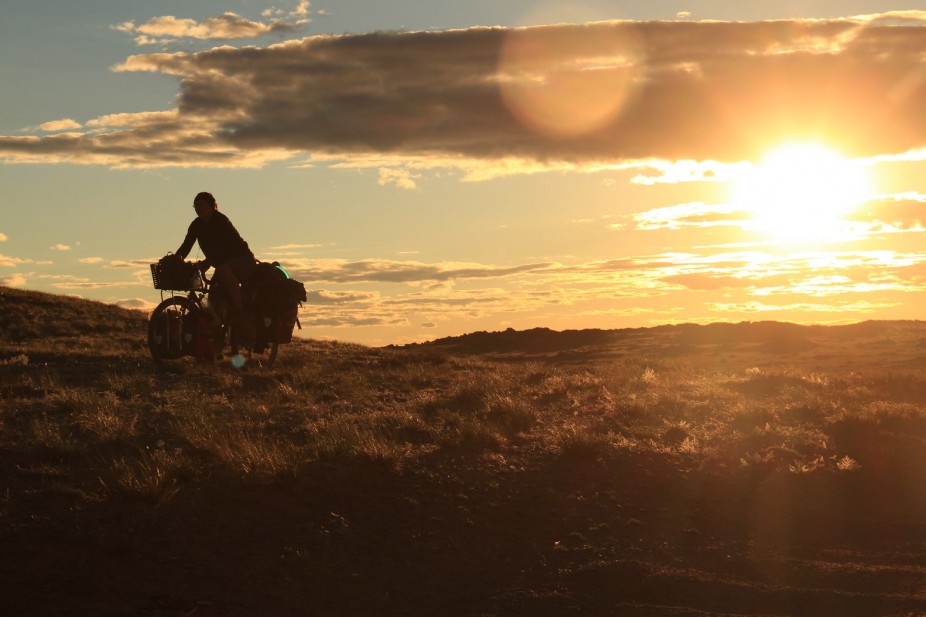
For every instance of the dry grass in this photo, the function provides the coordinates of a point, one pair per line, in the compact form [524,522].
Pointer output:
[89,427]
[327,402]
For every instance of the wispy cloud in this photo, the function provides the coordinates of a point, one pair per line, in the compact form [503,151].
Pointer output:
[224,27]
[60,247]
[293,247]
[829,284]
[13,280]
[491,101]
[119,264]
[78,283]
[140,304]
[695,214]
[7,261]
[3,237]
[386,271]
[55,126]
[850,309]
[401,178]
[324,297]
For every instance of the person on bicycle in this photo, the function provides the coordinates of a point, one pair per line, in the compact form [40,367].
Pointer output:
[223,248]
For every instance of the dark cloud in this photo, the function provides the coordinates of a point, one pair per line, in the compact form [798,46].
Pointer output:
[606,92]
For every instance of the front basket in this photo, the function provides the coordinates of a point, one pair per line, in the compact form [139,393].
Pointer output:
[175,276]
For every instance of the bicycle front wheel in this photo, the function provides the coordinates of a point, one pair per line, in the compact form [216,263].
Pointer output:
[165,328]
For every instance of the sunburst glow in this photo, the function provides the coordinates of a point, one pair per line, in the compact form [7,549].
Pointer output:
[801,192]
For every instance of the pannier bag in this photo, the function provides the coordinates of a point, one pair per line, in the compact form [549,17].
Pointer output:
[173,274]
[277,297]
[283,324]
[271,288]
[197,340]
[278,328]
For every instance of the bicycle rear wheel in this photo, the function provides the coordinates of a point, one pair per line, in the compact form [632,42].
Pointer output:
[165,328]
[252,345]
[249,354]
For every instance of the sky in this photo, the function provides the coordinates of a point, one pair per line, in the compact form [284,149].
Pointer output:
[429,169]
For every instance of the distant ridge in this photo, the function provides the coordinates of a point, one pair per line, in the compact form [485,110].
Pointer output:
[28,315]
[770,337]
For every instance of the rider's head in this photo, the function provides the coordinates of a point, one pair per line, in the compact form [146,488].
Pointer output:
[205,205]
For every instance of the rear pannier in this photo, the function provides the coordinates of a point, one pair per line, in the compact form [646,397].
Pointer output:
[277,297]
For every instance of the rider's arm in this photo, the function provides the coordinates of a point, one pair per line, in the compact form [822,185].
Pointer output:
[187,245]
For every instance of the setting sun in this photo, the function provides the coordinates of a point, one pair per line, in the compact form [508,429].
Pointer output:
[800,192]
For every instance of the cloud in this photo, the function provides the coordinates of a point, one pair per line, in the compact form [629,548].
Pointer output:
[289,247]
[499,100]
[853,309]
[324,297]
[54,126]
[401,178]
[132,264]
[302,9]
[700,281]
[11,262]
[902,213]
[135,303]
[91,260]
[695,214]
[77,283]
[228,26]
[351,321]
[672,172]
[3,237]
[60,247]
[893,17]
[13,280]
[386,271]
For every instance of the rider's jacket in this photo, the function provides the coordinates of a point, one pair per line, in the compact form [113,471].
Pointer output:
[218,239]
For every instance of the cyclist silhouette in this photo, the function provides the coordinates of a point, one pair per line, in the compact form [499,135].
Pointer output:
[223,248]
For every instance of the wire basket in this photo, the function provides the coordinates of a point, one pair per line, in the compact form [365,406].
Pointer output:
[176,275]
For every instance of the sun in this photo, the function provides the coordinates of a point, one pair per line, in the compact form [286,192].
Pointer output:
[799,193]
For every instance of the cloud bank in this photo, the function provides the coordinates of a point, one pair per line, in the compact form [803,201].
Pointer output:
[563,96]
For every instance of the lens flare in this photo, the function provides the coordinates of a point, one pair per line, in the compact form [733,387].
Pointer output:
[568,82]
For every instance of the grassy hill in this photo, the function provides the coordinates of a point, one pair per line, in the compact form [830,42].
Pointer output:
[31,315]
[894,344]
[760,469]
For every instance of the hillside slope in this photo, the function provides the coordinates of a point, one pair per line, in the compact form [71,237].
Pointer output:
[27,315]
[687,471]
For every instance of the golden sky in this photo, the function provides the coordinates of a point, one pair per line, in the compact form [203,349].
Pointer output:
[424,182]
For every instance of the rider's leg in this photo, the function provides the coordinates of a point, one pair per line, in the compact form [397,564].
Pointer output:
[229,283]
[218,302]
